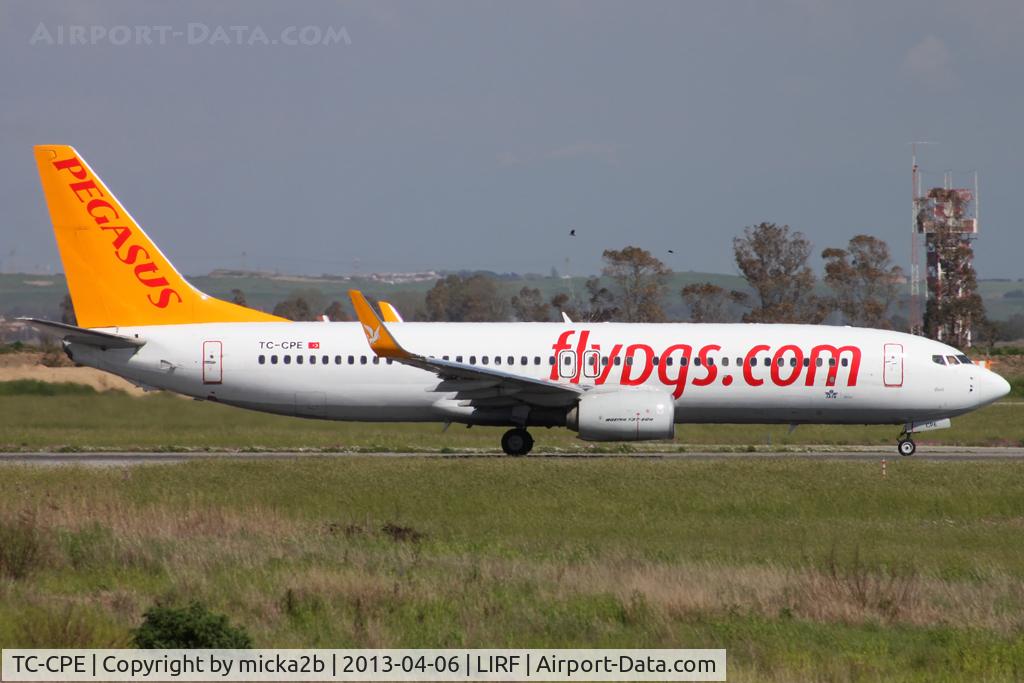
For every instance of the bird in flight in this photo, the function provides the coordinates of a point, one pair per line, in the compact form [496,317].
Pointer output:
[572,233]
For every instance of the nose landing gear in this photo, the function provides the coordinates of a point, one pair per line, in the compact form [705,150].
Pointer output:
[906,446]
[516,442]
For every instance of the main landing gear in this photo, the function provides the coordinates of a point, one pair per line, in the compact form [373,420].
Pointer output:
[516,442]
[906,446]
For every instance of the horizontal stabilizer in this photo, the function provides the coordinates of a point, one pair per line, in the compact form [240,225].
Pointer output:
[82,335]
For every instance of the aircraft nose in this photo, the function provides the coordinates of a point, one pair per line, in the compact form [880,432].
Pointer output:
[993,387]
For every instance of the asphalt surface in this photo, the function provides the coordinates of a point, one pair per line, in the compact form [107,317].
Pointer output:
[934,453]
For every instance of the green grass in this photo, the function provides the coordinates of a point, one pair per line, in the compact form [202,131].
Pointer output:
[802,569]
[76,418]
[33,387]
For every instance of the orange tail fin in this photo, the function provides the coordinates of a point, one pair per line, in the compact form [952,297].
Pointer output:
[116,275]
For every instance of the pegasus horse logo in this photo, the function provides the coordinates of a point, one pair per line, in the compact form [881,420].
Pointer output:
[372,333]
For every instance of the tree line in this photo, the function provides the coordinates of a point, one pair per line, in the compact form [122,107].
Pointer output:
[859,286]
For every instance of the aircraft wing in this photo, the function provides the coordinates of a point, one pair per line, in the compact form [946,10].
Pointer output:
[83,335]
[474,385]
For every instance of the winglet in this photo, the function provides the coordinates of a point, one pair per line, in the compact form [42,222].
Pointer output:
[377,334]
[389,312]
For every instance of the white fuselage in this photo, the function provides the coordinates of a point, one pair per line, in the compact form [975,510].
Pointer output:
[732,373]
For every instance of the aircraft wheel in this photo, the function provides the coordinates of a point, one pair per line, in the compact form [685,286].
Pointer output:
[906,447]
[516,442]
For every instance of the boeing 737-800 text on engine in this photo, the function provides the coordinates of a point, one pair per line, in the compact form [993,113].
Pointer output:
[140,319]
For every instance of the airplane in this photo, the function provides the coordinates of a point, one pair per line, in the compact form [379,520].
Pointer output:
[139,318]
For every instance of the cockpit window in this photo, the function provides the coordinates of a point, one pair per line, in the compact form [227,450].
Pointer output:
[966,360]
[939,359]
[952,360]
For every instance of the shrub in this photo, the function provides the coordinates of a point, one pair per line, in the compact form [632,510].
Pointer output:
[21,546]
[190,627]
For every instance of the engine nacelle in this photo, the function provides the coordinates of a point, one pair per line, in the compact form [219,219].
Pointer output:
[636,415]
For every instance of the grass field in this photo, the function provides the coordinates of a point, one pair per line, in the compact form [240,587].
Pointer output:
[802,569]
[40,416]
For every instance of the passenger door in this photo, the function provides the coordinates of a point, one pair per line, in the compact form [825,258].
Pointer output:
[213,356]
[892,373]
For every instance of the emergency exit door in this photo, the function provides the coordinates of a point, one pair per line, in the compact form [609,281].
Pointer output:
[892,374]
[213,355]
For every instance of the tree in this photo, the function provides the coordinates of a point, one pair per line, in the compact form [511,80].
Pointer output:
[294,308]
[67,311]
[337,312]
[238,297]
[709,303]
[472,298]
[863,280]
[641,280]
[956,308]
[774,263]
[598,305]
[529,306]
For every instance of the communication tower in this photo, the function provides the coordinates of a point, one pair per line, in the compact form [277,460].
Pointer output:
[946,223]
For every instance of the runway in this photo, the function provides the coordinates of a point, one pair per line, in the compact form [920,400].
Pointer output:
[121,459]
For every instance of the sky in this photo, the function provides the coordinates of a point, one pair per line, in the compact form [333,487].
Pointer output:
[351,137]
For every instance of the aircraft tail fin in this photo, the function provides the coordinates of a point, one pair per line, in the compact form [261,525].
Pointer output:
[116,274]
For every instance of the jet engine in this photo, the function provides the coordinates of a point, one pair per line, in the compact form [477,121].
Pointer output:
[631,415]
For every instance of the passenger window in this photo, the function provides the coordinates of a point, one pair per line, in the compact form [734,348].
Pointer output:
[337,360]
[312,360]
[376,360]
[604,360]
[767,361]
[739,361]
[298,360]
[780,362]
[325,360]
[753,362]
[287,360]
[362,360]
[792,362]
[472,360]
[725,361]
[668,361]
[567,359]
[458,359]
[262,359]
[497,360]
[696,361]
[845,361]
[655,360]
[629,360]
[444,357]
[523,360]
[711,361]
[273,360]
[831,362]
[351,360]
[551,360]
[536,360]
[511,360]
[807,362]
[683,361]
[389,361]
[939,360]
[618,360]
[817,362]
[485,360]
